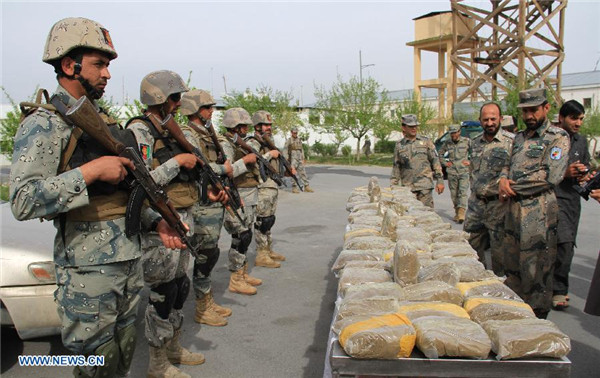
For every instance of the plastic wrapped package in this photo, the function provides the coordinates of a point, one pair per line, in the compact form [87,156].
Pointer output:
[358,214]
[361,232]
[365,306]
[470,269]
[407,220]
[526,338]
[499,311]
[381,337]
[443,245]
[489,288]
[406,264]
[353,255]
[404,223]
[366,206]
[428,218]
[385,204]
[387,265]
[375,195]
[414,310]
[369,242]
[473,302]
[436,226]
[359,226]
[369,221]
[358,276]
[460,250]
[431,291]
[413,234]
[433,270]
[449,236]
[380,289]
[444,336]
[388,226]
[423,257]
[373,184]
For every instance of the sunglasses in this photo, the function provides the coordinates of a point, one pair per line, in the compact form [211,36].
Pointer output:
[175,97]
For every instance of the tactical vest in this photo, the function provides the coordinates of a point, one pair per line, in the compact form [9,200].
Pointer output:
[248,179]
[207,146]
[182,190]
[296,144]
[273,162]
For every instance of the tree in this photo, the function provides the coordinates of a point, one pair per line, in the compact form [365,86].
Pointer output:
[265,98]
[10,124]
[351,108]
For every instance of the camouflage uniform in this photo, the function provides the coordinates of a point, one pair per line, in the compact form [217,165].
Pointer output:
[485,213]
[537,165]
[293,149]
[416,164]
[458,174]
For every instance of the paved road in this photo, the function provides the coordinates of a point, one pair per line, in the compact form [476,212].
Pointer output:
[282,331]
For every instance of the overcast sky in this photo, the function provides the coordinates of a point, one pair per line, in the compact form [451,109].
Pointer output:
[289,46]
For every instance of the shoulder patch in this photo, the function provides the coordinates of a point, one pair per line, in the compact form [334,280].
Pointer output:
[556,153]
[145,151]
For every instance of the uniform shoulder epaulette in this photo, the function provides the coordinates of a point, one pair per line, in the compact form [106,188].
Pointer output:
[557,130]
[507,134]
[422,137]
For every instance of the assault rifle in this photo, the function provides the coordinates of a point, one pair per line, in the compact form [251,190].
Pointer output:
[84,115]
[267,142]
[205,170]
[265,169]
[585,189]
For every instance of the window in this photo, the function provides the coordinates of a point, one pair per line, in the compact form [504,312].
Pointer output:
[587,102]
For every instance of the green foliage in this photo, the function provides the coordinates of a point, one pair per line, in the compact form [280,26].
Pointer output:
[324,149]
[351,108]
[4,190]
[422,110]
[382,160]
[265,98]
[9,125]
[591,122]
[346,150]
[385,146]
[511,100]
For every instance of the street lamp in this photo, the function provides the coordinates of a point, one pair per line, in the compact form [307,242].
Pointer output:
[362,65]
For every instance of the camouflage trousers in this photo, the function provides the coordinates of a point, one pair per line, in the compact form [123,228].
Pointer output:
[530,244]
[425,196]
[300,171]
[96,301]
[459,187]
[485,223]
[241,236]
[208,220]
[267,206]
[165,271]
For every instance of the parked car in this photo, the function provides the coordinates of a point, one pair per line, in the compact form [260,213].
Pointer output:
[27,279]
[468,129]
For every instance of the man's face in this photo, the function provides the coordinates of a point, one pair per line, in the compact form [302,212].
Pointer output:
[173,103]
[490,120]
[294,134]
[455,136]
[206,112]
[242,130]
[267,129]
[94,70]
[571,123]
[409,132]
[534,116]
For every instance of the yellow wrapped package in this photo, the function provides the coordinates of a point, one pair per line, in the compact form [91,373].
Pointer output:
[349,308]
[488,288]
[381,337]
[416,310]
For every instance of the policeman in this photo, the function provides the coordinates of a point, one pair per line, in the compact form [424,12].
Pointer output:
[537,165]
[246,178]
[293,149]
[60,172]
[416,162]
[198,106]
[490,152]
[570,117]
[454,155]
[268,192]
[508,124]
[165,270]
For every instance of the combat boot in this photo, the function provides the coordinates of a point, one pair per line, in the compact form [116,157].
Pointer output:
[460,215]
[308,189]
[249,279]
[263,259]
[179,355]
[295,190]
[272,254]
[206,313]
[221,310]
[237,284]
[160,367]
[455,219]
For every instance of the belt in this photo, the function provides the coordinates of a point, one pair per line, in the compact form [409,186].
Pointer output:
[488,199]
[521,197]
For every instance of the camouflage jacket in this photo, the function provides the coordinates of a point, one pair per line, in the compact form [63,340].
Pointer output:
[455,153]
[205,143]
[293,149]
[538,162]
[266,153]
[416,164]
[37,190]
[487,161]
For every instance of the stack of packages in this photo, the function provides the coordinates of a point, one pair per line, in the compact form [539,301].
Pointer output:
[407,279]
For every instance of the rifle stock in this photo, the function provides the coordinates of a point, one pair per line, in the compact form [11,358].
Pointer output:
[586,188]
[263,163]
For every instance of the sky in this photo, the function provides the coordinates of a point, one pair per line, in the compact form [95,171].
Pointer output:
[288,46]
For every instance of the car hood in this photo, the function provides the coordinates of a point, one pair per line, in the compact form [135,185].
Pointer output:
[22,244]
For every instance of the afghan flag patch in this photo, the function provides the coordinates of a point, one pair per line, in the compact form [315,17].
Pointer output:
[145,151]
[555,153]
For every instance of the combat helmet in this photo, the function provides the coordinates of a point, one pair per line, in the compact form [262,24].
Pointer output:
[193,100]
[157,86]
[236,116]
[262,116]
[74,32]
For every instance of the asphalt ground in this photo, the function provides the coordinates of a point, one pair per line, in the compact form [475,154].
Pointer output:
[282,331]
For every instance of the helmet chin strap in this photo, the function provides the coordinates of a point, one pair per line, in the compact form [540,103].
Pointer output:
[89,89]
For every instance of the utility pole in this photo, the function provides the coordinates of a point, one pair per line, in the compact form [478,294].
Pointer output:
[362,65]
[225,84]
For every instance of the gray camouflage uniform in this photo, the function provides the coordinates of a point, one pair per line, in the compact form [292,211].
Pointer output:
[485,213]
[537,165]
[416,164]
[458,174]
[268,192]
[293,149]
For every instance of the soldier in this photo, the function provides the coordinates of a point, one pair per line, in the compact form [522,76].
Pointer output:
[293,149]
[165,270]
[537,164]
[59,172]
[416,162]
[490,152]
[246,178]
[571,116]
[367,147]
[198,106]
[508,124]
[267,198]
[454,154]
